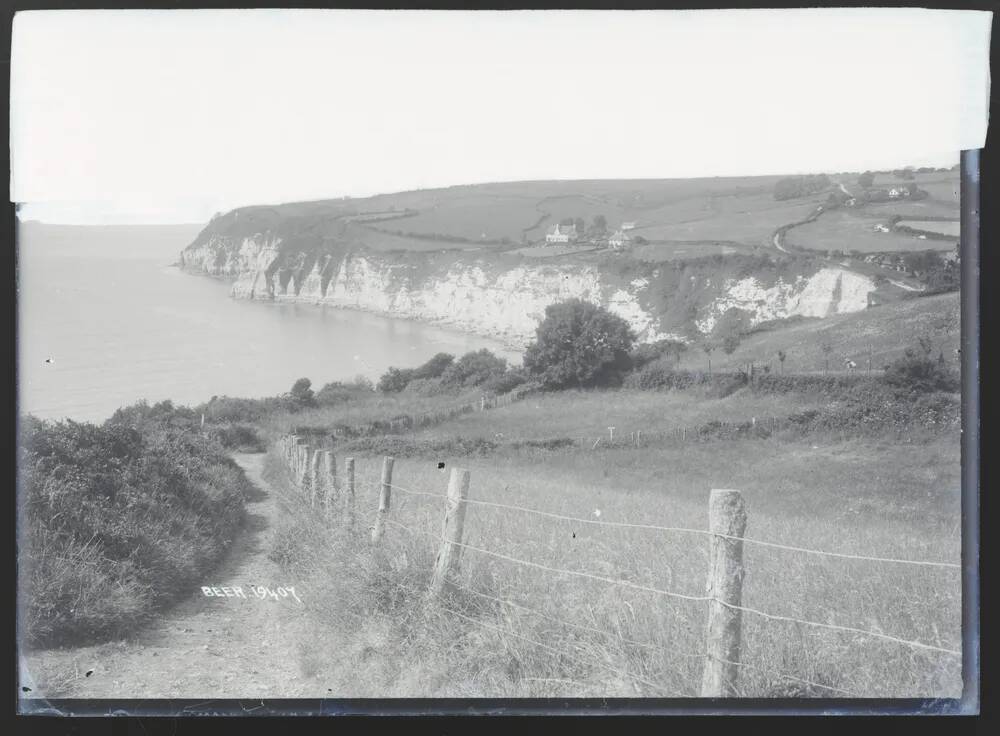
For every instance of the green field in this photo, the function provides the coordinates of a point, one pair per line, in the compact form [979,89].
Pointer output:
[886,330]
[546,606]
[852,229]
[496,634]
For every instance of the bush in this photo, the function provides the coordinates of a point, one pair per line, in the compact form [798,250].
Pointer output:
[434,367]
[302,393]
[916,372]
[338,392]
[506,382]
[119,520]
[239,437]
[645,354]
[394,380]
[474,369]
[579,344]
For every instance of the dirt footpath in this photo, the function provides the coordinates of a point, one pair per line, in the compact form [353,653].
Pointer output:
[239,645]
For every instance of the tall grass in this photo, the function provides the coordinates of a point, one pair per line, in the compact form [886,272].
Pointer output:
[118,520]
[565,635]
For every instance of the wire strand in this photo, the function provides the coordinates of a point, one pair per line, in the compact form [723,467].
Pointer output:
[688,530]
[627,584]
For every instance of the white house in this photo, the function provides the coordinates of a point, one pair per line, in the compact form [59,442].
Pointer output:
[619,240]
[561,234]
[628,226]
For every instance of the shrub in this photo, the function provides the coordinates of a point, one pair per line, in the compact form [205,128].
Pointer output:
[434,367]
[394,380]
[474,369]
[644,354]
[338,392]
[239,437]
[119,519]
[506,382]
[915,371]
[302,393]
[579,344]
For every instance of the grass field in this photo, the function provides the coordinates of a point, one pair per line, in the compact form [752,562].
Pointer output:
[510,629]
[852,229]
[888,329]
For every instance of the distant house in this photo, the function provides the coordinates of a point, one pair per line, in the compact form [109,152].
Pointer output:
[628,226]
[898,192]
[619,240]
[850,202]
[561,234]
[880,228]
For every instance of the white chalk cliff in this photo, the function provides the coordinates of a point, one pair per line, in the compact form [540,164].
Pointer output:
[504,302]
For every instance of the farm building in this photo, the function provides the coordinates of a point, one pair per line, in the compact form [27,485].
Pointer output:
[561,234]
[619,240]
[628,226]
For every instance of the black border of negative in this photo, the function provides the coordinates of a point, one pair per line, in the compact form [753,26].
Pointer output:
[977,188]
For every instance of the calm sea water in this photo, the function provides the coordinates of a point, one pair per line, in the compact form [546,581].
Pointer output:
[105,320]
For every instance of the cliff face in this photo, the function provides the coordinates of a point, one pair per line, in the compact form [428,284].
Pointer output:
[508,301]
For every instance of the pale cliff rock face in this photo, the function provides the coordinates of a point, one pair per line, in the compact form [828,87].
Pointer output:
[507,304]
[829,291]
[219,256]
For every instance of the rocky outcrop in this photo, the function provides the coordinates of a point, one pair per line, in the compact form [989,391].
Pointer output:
[507,302]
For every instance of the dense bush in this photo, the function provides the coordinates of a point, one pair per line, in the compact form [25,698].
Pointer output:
[239,437]
[474,369]
[120,519]
[434,367]
[800,186]
[648,352]
[339,392]
[302,393]
[506,382]
[915,371]
[579,344]
[394,380]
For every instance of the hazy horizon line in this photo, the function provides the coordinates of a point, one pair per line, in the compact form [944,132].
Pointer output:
[59,212]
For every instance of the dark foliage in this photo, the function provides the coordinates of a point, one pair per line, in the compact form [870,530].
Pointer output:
[119,519]
[579,344]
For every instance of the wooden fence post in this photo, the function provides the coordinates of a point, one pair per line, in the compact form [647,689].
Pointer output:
[329,482]
[314,468]
[349,491]
[727,518]
[385,496]
[454,520]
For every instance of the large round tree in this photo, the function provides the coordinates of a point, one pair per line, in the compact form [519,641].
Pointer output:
[579,344]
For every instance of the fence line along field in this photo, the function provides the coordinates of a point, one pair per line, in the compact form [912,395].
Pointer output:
[595,590]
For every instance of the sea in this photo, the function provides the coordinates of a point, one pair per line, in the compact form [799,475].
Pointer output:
[105,319]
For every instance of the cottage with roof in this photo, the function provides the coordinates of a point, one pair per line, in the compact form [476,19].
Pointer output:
[619,240]
[561,234]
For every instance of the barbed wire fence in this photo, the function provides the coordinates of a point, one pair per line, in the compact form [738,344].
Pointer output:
[313,471]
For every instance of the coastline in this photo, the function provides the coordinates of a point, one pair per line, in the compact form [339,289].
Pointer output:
[505,342]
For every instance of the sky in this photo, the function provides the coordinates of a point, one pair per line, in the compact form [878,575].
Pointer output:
[172,115]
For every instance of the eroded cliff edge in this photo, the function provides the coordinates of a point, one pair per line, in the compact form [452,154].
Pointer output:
[504,296]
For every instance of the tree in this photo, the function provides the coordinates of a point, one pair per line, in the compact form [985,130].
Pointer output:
[708,346]
[600,224]
[474,368]
[827,348]
[302,392]
[434,367]
[394,380]
[580,225]
[866,180]
[730,328]
[781,359]
[579,344]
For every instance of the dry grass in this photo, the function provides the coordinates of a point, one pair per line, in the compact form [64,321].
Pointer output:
[569,636]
